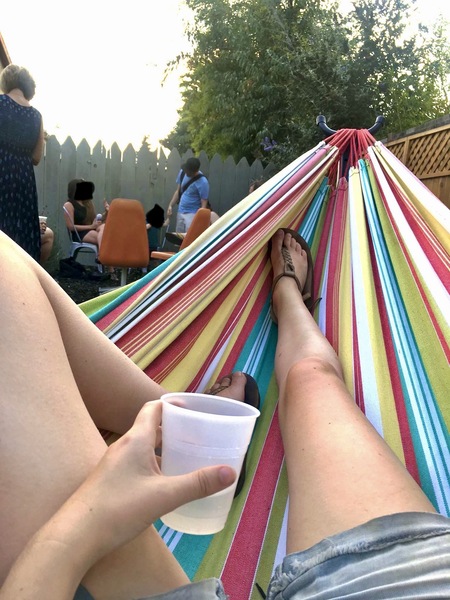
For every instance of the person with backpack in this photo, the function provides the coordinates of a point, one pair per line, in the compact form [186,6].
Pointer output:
[191,194]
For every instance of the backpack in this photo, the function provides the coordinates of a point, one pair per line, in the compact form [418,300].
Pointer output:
[185,187]
[69,267]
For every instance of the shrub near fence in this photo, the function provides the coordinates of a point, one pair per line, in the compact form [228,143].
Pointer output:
[148,176]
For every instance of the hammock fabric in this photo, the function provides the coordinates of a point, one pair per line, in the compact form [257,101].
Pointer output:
[381,244]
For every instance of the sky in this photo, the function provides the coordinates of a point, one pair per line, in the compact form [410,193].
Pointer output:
[99,64]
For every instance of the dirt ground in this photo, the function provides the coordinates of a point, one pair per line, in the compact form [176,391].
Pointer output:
[81,290]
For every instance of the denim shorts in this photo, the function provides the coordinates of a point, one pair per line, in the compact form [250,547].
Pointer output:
[203,590]
[400,556]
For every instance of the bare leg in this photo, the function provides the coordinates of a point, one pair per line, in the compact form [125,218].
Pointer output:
[47,239]
[53,356]
[91,237]
[341,473]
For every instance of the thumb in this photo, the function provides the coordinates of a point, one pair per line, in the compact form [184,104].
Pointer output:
[202,483]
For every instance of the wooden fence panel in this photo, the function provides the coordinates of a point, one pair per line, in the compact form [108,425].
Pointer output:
[66,172]
[68,163]
[98,161]
[115,172]
[215,178]
[227,187]
[128,174]
[256,171]
[173,165]
[159,184]
[243,178]
[143,176]
[427,155]
[53,184]
[84,164]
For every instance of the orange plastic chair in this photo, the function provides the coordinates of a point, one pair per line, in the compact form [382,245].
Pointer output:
[200,223]
[125,242]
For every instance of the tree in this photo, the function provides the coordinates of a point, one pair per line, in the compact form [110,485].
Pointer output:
[264,69]
[394,64]
[437,65]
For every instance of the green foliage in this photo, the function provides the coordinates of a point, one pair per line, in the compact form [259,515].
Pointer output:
[394,64]
[267,68]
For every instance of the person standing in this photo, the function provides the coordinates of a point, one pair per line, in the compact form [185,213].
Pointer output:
[21,147]
[191,194]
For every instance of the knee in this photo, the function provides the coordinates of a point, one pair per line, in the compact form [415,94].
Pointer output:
[311,370]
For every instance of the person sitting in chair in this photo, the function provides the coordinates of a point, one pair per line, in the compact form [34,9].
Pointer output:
[82,219]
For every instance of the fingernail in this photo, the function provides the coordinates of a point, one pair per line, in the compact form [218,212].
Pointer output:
[227,475]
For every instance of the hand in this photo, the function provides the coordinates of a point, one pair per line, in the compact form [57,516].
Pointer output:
[126,492]
[169,211]
[43,228]
[106,205]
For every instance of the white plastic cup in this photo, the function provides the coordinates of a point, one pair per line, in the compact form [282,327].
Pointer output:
[42,219]
[200,430]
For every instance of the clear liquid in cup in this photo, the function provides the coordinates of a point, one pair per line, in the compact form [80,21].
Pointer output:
[207,515]
[202,517]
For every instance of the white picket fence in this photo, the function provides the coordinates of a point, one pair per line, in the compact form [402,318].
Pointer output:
[148,176]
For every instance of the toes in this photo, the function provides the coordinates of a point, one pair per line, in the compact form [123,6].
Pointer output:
[277,241]
[230,386]
[237,387]
[287,239]
[293,243]
[239,378]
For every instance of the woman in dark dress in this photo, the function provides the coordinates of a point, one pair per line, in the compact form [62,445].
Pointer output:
[21,146]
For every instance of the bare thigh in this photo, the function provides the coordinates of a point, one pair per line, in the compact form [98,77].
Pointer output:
[91,237]
[48,442]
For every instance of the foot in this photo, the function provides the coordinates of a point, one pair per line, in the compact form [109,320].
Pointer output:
[232,387]
[299,260]
[238,386]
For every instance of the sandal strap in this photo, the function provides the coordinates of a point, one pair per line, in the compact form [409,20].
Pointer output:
[221,388]
[288,264]
[287,274]
[289,271]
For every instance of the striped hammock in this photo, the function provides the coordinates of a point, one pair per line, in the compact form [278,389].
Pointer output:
[381,244]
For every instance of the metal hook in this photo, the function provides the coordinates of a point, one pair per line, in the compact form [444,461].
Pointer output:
[322,123]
